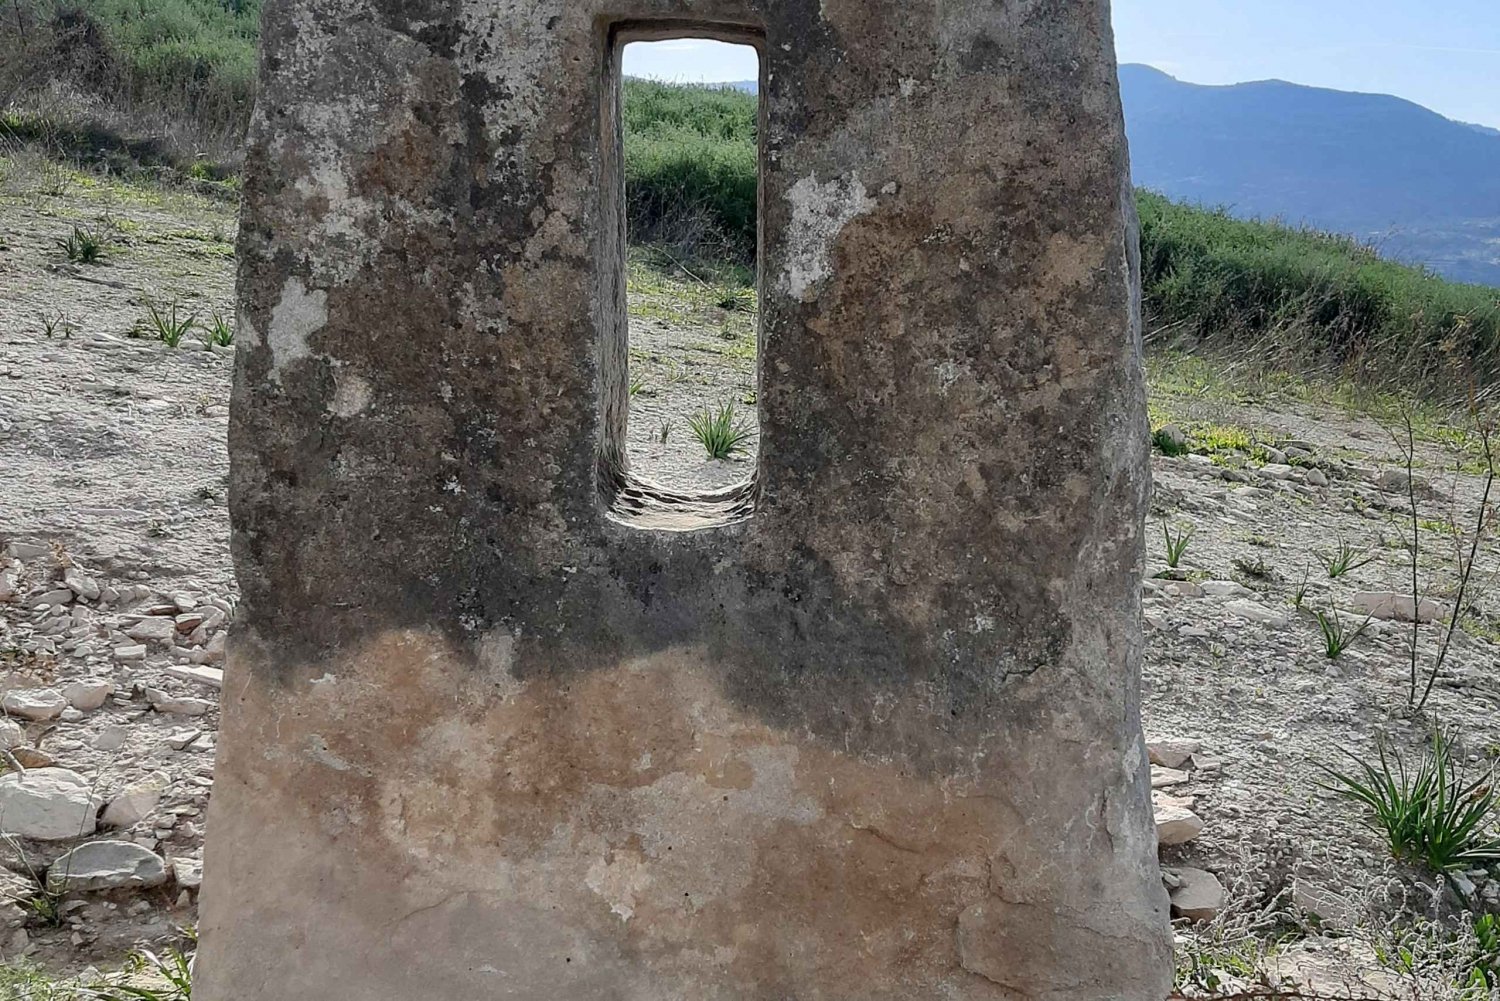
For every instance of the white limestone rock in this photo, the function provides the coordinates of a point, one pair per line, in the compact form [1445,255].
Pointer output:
[136,801]
[88,694]
[33,703]
[48,804]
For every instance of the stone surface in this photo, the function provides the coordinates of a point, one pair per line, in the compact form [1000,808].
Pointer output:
[1176,825]
[1391,605]
[1199,896]
[863,729]
[33,703]
[1170,753]
[48,804]
[89,694]
[135,802]
[106,865]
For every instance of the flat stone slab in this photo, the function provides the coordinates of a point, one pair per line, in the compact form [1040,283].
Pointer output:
[106,865]
[1198,896]
[48,804]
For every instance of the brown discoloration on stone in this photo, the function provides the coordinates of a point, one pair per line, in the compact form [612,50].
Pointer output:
[638,836]
[879,738]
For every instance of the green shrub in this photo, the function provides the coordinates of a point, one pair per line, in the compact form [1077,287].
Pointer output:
[690,167]
[1299,295]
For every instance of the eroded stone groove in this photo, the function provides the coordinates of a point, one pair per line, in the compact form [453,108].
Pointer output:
[518,729]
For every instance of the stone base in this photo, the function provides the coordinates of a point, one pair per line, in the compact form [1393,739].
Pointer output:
[629,834]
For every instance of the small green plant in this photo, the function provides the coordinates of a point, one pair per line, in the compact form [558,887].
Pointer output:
[83,246]
[57,323]
[1338,635]
[1170,441]
[46,909]
[1432,813]
[664,431]
[217,332]
[735,300]
[1255,569]
[1343,559]
[167,324]
[172,968]
[720,434]
[1176,542]
[637,386]
[1299,593]
[1485,972]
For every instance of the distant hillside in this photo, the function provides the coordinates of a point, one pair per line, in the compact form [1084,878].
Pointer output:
[1423,187]
[1420,186]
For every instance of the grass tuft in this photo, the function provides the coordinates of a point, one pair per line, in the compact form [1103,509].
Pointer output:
[167,324]
[84,246]
[720,433]
[1338,635]
[1343,559]
[1432,813]
[1176,542]
[217,332]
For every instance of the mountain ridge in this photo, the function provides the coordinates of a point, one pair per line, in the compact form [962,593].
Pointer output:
[1422,187]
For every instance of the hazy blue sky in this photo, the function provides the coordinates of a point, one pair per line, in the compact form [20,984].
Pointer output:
[1444,54]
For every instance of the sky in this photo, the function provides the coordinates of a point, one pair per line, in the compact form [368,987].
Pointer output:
[1443,54]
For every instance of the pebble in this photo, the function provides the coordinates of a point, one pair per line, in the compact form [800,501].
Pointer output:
[1256,612]
[1176,825]
[189,872]
[1171,753]
[153,629]
[1162,778]
[181,740]
[81,583]
[164,703]
[213,677]
[1390,605]
[53,599]
[25,550]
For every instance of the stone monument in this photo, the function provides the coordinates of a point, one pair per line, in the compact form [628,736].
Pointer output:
[503,720]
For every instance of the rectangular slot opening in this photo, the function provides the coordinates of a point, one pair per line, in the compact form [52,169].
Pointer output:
[680,363]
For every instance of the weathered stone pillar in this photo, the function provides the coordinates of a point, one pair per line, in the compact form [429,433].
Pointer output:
[497,723]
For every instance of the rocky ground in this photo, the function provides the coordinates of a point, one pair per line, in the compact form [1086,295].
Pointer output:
[116,597]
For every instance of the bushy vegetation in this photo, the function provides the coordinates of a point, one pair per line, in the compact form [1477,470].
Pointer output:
[1298,296]
[178,72]
[690,167]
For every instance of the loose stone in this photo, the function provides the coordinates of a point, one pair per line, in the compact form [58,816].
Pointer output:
[106,865]
[49,804]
